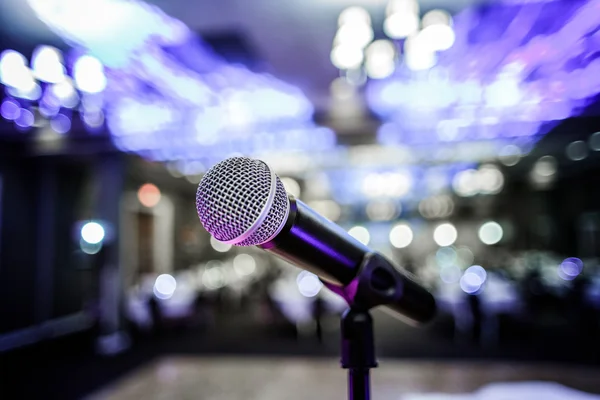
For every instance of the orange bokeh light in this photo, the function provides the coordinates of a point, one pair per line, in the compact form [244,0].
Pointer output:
[149,195]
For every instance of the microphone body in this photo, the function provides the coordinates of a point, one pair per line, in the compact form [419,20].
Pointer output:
[322,247]
[242,202]
[318,245]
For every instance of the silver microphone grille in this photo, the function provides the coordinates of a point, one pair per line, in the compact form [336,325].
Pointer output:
[242,202]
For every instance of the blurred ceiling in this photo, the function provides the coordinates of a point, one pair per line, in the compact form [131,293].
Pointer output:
[293,37]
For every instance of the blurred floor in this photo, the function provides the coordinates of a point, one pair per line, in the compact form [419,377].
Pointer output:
[299,379]
[68,368]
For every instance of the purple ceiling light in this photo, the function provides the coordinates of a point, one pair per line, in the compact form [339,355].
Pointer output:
[513,67]
[168,97]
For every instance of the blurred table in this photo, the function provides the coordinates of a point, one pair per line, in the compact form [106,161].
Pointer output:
[299,379]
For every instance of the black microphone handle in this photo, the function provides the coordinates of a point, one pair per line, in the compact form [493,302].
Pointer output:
[316,244]
[320,246]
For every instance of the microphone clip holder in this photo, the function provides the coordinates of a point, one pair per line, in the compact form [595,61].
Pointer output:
[377,283]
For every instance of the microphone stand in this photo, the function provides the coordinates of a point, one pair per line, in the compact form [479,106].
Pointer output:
[377,283]
[358,351]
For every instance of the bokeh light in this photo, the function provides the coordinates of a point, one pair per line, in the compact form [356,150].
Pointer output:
[357,35]
[244,264]
[92,232]
[60,123]
[446,256]
[577,150]
[450,274]
[418,55]
[490,233]
[344,56]
[308,283]
[14,71]
[354,15]
[594,141]
[291,186]
[25,118]
[445,234]
[164,286]
[544,171]
[361,234]
[149,195]
[65,93]
[380,59]
[219,246]
[88,73]
[401,25]
[510,155]
[47,64]
[10,109]
[545,166]
[381,210]
[473,279]
[401,236]
[570,268]
[90,248]
[437,33]
[213,276]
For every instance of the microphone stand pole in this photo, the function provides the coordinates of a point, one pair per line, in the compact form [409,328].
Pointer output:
[377,283]
[358,351]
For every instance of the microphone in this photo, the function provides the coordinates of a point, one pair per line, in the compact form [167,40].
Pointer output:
[241,201]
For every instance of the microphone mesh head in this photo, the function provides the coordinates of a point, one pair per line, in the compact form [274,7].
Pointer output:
[232,202]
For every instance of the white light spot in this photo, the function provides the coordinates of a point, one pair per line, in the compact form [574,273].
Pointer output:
[92,232]
[445,234]
[465,183]
[380,59]
[392,184]
[346,56]
[244,264]
[47,64]
[490,179]
[510,155]
[308,283]
[219,246]
[417,55]
[361,234]
[490,233]
[89,75]
[165,286]
[401,236]
[354,15]
[291,186]
[65,93]
[356,35]
[437,37]
[14,71]
[401,25]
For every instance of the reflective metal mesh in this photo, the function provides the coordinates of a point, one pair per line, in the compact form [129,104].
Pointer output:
[231,197]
